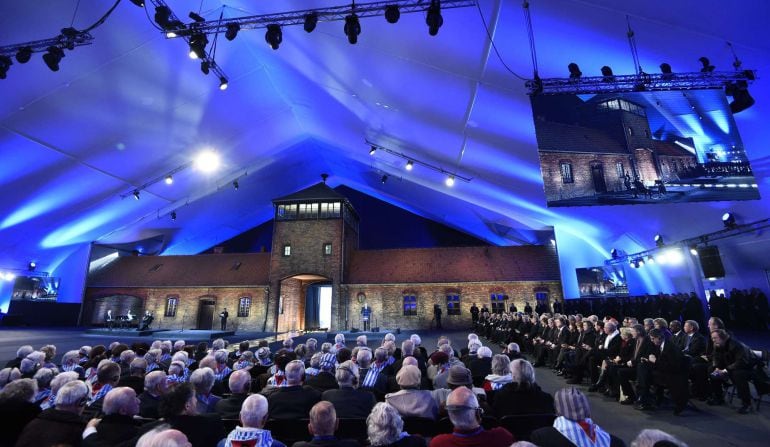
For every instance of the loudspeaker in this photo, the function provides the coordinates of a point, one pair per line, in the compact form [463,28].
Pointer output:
[710,262]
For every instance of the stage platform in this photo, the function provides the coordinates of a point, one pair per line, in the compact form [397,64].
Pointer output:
[118,332]
[195,334]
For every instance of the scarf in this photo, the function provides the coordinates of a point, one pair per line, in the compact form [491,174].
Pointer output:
[150,368]
[48,403]
[278,379]
[371,376]
[583,433]
[312,371]
[495,382]
[249,437]
[42,396]
[221,373]
[98,391]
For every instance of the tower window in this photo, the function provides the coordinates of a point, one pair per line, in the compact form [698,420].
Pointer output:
[327,249]
[410,305]
[244,306]
[287,250]
[171,304]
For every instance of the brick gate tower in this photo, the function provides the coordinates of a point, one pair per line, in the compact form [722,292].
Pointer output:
[315,230]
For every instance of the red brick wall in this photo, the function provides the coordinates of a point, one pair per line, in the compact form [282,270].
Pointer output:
[583,184]
[645,164]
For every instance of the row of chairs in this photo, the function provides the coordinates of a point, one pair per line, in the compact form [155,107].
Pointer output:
[290,431]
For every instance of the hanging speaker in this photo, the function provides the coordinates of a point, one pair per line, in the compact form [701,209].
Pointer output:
[711,262]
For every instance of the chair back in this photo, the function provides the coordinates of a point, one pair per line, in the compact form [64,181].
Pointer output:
[230,424]
[521,426]
[352,428]
[289,431]
[420,426]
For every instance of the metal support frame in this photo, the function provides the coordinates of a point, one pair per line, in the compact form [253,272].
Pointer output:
[65,40]
[637,83]
[446,172]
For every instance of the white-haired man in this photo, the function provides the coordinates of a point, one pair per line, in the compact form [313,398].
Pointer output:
[323,424]
[253,415]
[202,379]
[61,425]
[155,386]
[350,402]
[465,414]
[118,424]
[240,384]
[293,401]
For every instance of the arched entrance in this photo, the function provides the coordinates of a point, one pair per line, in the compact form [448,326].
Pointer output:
[206,306]
[304,303]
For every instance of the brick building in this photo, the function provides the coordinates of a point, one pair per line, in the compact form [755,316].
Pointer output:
[588,148]
[315,276]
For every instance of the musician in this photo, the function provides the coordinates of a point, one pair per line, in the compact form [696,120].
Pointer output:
[223,319]
[146,321]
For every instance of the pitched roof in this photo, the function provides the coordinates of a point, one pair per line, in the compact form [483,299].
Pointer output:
[559,137]
[454,264]
[184,271]
[319,191]
[669,148]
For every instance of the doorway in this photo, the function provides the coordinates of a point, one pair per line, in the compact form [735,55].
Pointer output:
[318,306]
[206,314]
[597,174]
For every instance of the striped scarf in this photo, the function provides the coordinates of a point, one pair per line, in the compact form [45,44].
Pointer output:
[151,367]
[583,433]
[242,364]
[221,374]
[278,379]
[43,395]
[173,378]
[371,376]
[97,392]
[48,403]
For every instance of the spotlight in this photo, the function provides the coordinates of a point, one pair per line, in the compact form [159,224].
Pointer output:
[232,31]
[639,262]
[707,67]
[384,179]
[614,253]
[409,165]
[5,64]
[31,266]
[198,44]
[8,276]
[729,220]
[607,73]
[742,100]
[173,215]
[659,240]
[650,259]
[196,17]
[236,185]
[392,14]
[274,36]
[53,57]
[205,67]
[169,179]
[665,68]
[574,71]
[450,181]
[694,250]
[223,83]
[373,150]
[23,55]
[434,19]
[136,194]
[207,161]
[311,20]
[173,27]
[352,28]
[139,3]
[163,16]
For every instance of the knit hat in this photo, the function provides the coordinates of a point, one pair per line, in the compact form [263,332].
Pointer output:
[328,362]
[572,404]
[459,376]
[408,377]
[263,353]
[439,358]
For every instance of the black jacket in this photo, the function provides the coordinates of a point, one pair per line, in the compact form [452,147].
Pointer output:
[516,399]
[733,356]
[350,403]
[201,430]
[322,381]
[15,414]
[293,402]
[327,442]
[230,408]
[113,429]
[697,346]
[148,406]
[52,427]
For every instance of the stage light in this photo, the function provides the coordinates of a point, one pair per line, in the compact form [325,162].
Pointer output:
[392,14]
[31,266]
[196,17]
[607,73]
[742,100]
[5,64]
[707,67]
[8,276]
[169,179]
[673,256]
[614,253]
[198,44]
[659,240]
[373,150]
[173,26]
[232,31]
[434,19]
[665,69]
[207,161]
[384,179]
[205,67]
[139,3]
[650,259]
[352,28]
[173,215]
[409,165]
[694,250]
[574,71]
[163,16]
[53,57]
[639,262]
[223,83]
[274,36]
[23,55]
[728,219]
[236,185]
[135,194]
[311,20]
[450,181]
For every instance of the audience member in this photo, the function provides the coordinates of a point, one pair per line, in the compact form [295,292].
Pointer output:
[17,408]
[347,400]
[655,438]
[179,408]
[411,401]
[323,424]
[118,424]
[59,425]
[293,401]
[240,384]
[465,414]
[522,395]
[324,380]
[155,386]
[163,436]
[384,428]
[501,373]
[253,415]
[107,377]
[202,379]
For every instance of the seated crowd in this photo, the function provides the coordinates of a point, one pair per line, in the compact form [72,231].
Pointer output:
[171,394]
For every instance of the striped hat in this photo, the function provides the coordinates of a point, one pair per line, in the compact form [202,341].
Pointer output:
[328,362]
[572,404]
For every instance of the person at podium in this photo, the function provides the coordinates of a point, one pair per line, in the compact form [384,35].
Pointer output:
[223,319]
[366,315]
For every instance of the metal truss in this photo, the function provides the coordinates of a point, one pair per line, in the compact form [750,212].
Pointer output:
[703,239]
[637,83]
[69,39]
[334,13]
